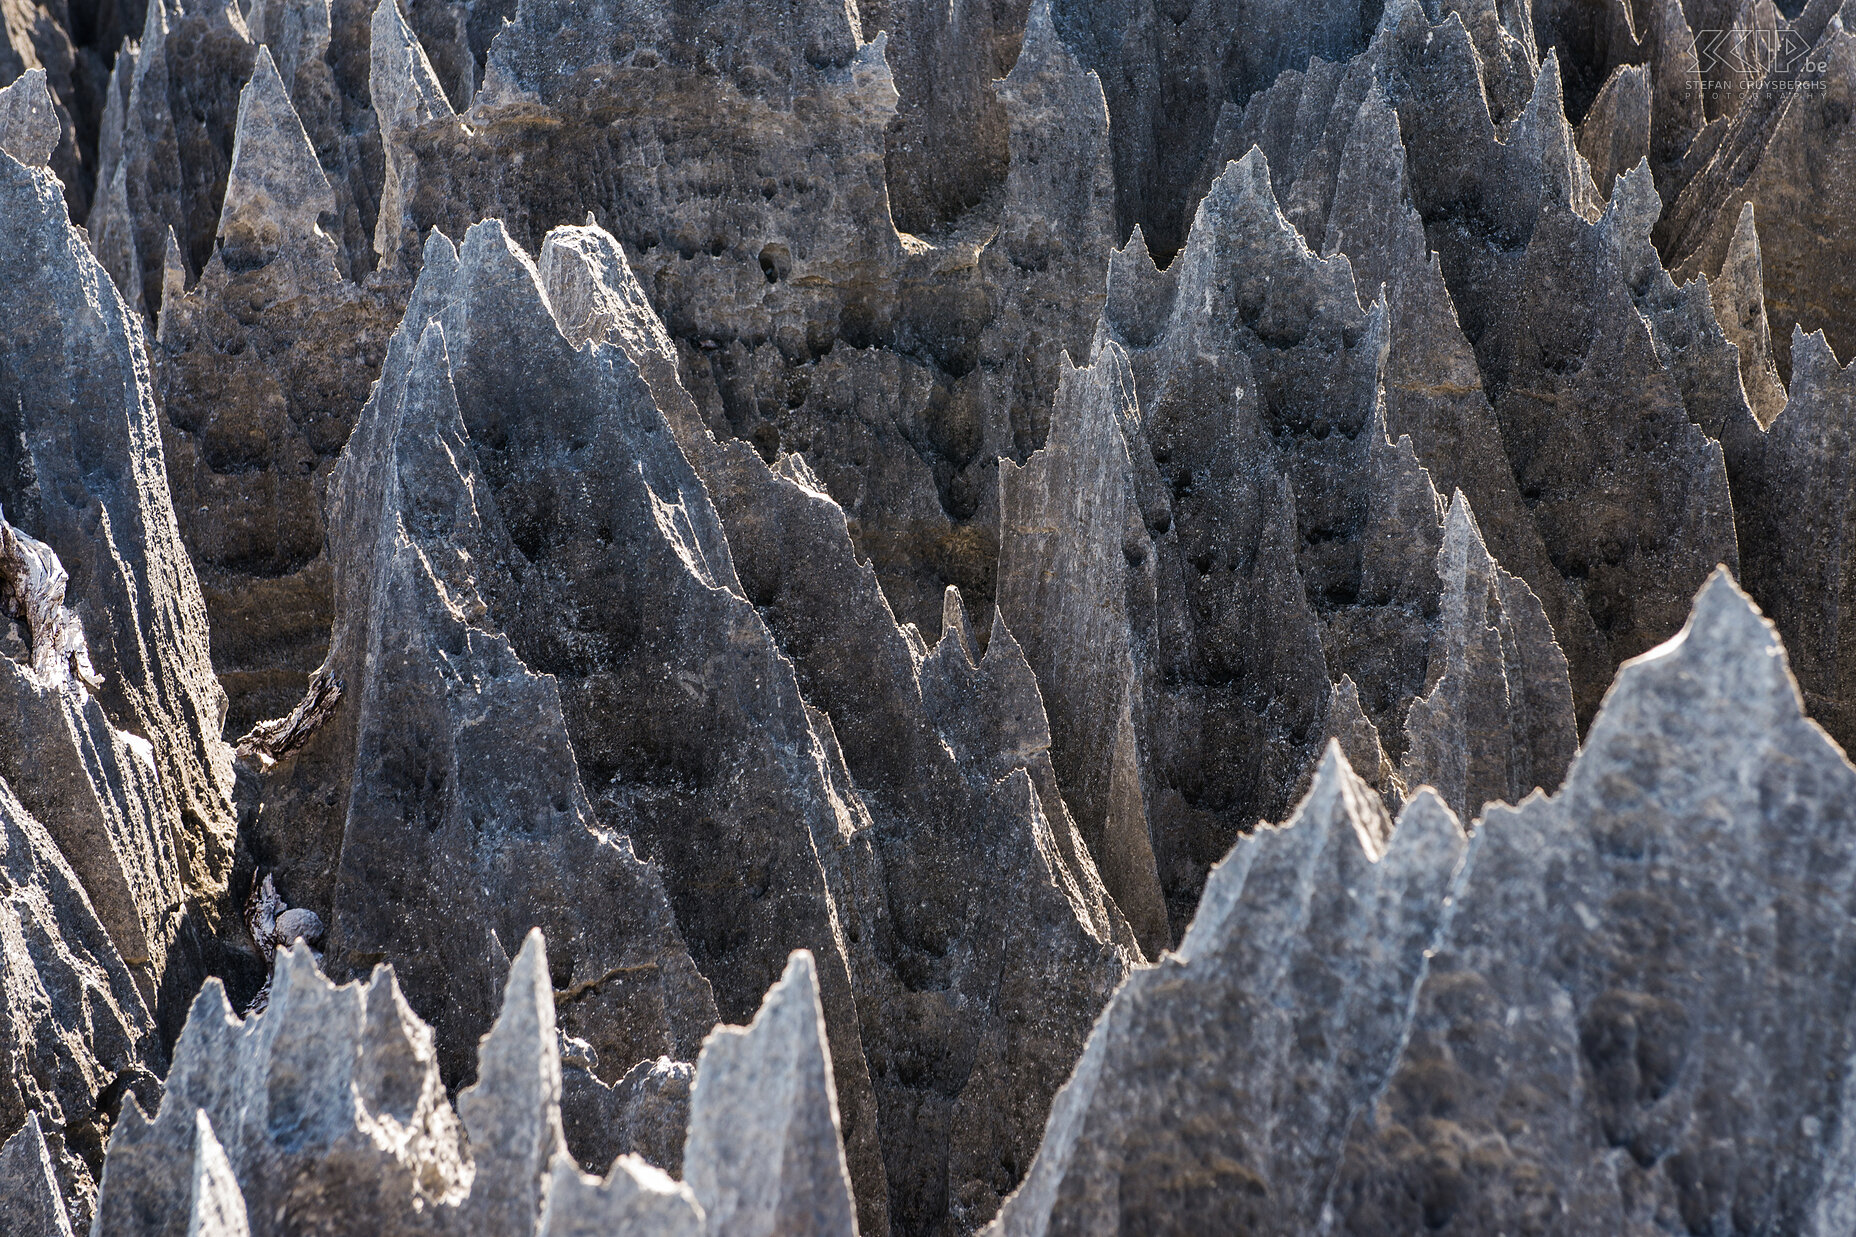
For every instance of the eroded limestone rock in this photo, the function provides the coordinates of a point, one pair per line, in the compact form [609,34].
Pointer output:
[1216,1089]
[1599,1010]
[764,1157]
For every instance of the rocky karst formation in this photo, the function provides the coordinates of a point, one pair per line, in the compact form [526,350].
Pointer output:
[921,485]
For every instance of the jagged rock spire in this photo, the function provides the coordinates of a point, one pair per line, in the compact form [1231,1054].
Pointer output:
[513,1111]
[1498,720]
[216,1208]
[29,128]
[761,1170]
[1784,145]
[1615,134]
[1076,573]
[169,1176]
[138,758]
[1238,1062]
[1793,503]
[29,1192]
[405,94]
[436,557]
[297,32]
[634,1198]
[276,189]
[73,1017]
[1702,795]
[1740,303]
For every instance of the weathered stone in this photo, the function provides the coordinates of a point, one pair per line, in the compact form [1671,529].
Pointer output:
[1792,503]
[644,1114]
[1615,134]
[1076,576]
[29,1193]
[689,728]
[29,129]
[1739,296]
[635,1198]
[1498,721]
[1786,151]
[74,1022]
[931,752]
[169,1178]
[1166,68]
[764,1158]
[434,779]
[264,364]
[1598,1020]
[512,1113]
[1633,506]
[81,471]
[405,96]
[1216,1088]
[275,189]
[1349,726]
[1292,514]
[172,143]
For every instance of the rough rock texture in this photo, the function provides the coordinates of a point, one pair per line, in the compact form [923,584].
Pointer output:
[167,142]
[326,1114]
[29,129]
[1076,577]
[645,1114]
[633,1198]
[29,1194]
[455,738]
[1599,1011]
[1291,539]
[1793,506]
[112,716]
[923,752]
[74,1023]
[915,484]
[1739,295]
[1498,719]
[265,362]
[1216,1088]
[764,1156]
[1786,151]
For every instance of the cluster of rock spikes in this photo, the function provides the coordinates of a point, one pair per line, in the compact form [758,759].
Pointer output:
[778,617]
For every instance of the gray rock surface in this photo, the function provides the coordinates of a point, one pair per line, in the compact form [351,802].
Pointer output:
[1216,1088]
[922,752]
[133,777]
[1784,151]
[29,129]
[1293,539]
[74,1021]
[764,1156]
[1498,719]
[634,1198]
[333,1119]
[441,734]
[1076,575]
[1593,1048]
[1792,506]
[29,1192]
[832,540]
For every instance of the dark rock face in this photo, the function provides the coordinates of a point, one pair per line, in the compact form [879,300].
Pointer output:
[848,520]
[265,362]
